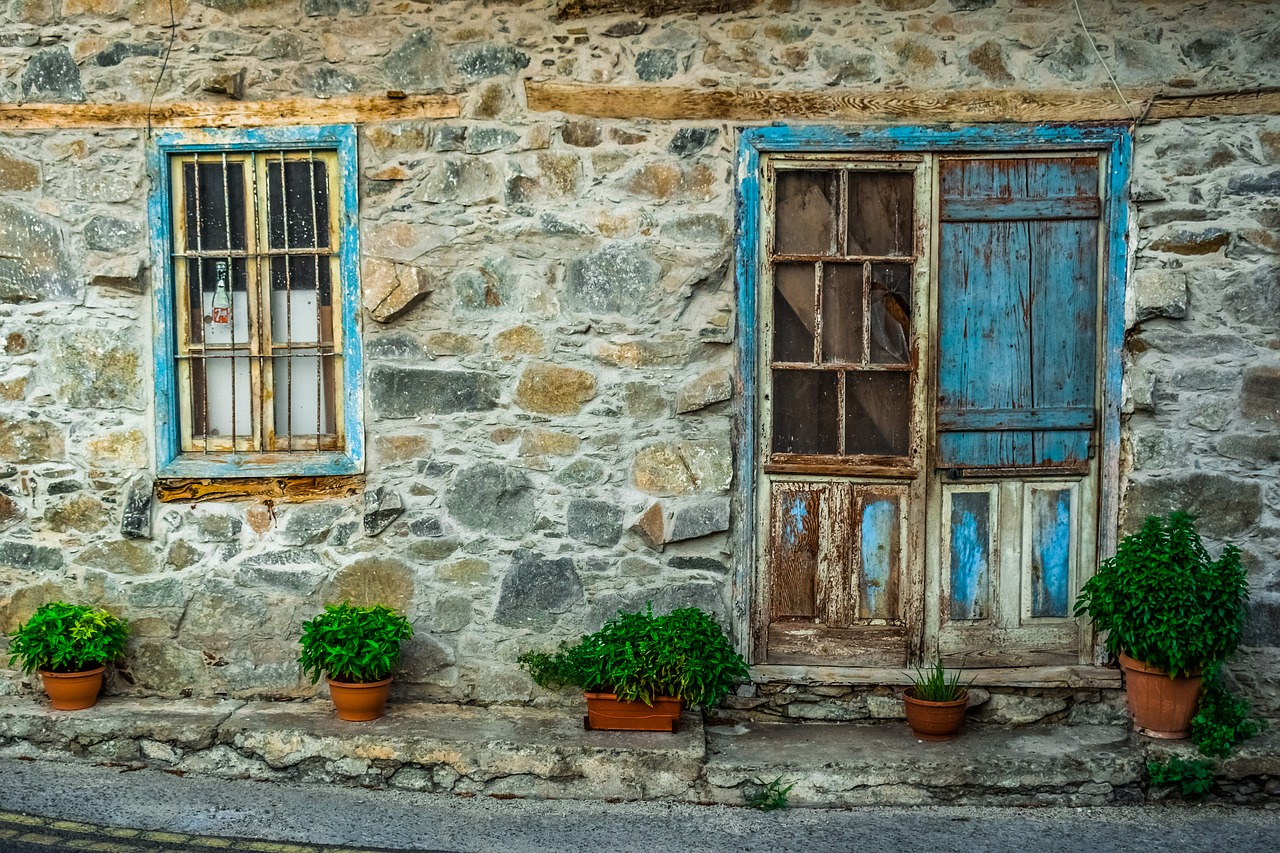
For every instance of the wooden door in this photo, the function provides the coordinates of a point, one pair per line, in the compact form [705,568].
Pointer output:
[1013,502]
[844,284]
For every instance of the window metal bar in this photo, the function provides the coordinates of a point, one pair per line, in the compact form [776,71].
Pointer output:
[231,291]
[315,261]
[288,303]
[199,313]
[264,310]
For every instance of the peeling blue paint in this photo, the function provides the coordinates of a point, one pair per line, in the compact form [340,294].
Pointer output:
[794,526]
[879,533]
[170,462]
[970,555]
[1050,552]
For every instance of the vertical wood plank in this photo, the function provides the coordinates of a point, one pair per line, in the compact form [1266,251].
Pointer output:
[969,537]
[881,556]
[795,536]
[1050,520]
[837,557]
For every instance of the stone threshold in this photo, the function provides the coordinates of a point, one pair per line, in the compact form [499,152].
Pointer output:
[512,751]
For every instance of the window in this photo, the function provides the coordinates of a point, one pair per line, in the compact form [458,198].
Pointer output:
[930,319]
[258,349]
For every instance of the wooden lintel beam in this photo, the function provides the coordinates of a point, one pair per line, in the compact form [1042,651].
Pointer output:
[283,489]
[977,105]
[220,114]
[1264,101]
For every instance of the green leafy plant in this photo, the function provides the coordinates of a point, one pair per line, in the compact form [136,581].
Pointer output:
[638,656]
[1194,777]
[1164,601]
[934,685]
[767,796]
[61,637]
[1222,719]
[353,644]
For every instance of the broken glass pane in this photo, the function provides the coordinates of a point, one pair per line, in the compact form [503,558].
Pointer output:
[889,306]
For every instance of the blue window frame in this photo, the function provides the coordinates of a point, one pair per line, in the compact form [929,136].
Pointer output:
[256,312]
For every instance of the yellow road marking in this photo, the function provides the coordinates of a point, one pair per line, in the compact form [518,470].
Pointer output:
[37,838]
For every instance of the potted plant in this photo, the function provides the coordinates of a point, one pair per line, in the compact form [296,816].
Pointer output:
[639,669]
[357,648]
[70,645]
[1169,611]
[935,703]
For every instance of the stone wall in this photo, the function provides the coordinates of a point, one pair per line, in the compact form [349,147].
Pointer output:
[550,429]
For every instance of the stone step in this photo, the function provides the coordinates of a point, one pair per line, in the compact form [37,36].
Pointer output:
[513,751]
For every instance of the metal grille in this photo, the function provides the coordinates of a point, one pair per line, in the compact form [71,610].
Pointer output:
[256,269]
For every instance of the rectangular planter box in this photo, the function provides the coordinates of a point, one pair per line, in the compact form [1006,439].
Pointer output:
[604,711]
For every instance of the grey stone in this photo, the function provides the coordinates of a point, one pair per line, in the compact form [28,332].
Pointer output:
[331,8]
[1260,396]
[482,140]
[429,526]
[1262,628]
[489,496]
[309,524]
[699,564]
[381,507]
[1262,183]
[397,391]
[120,556]
[52,75]
[477,61]
[282,45]
[1161,293]
[422,655]
[63,487]
[714,386]
[123,273]
[283,558]
[1178,341]
[1224,506]
[30,558]
[297,576]
[135,516]
[1019,710]
[33,260]
[827,711]
[690,140]
[690,521]
[1261,449]
[99,368]
[465,181]
[843,66]
[623,29]
[416,64]
[397,346]
[620,278]
[654,65]
[150,593]
[580,473]
[536,590]
[451,613]
[217,528]
[705,596]
[595,522]
[327,80]
[450,138]
[119,51]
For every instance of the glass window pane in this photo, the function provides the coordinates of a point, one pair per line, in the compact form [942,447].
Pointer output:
[889,304]
[304,398]
[222,396]
[842,313]
[878,413]
[215,206]
[805,411]
[297,304]
[794,310]
[880,205]
[297,204]
[806,213]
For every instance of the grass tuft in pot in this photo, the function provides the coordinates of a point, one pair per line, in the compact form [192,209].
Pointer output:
[70,646]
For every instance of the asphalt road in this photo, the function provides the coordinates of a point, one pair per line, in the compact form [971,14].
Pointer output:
[118,811]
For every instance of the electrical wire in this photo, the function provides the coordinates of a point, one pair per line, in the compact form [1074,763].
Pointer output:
[1098,53]
[164,63]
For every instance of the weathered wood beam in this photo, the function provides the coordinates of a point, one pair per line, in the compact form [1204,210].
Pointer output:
[217,114]
[284,489]
[1264,101]
[1032,676]
[980,105]
[569,9]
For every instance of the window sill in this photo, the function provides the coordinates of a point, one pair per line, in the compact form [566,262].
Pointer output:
[233,465]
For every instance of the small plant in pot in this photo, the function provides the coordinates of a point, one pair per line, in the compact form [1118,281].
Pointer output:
[70,646]
[639,669]
[1169,611]
[357,648]
[936,702]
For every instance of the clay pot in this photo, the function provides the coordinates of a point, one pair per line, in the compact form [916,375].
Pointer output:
[73,691]
[606,711]
[357,702]
[1161,706]
[934,720]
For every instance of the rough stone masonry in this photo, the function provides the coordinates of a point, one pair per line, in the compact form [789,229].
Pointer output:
[549,326]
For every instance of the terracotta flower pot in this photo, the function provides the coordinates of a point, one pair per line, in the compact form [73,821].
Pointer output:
[1161,706]
[73,691]
[606,711]
[934,720]
[360,703]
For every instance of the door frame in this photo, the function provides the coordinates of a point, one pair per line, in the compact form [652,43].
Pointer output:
[1115,140]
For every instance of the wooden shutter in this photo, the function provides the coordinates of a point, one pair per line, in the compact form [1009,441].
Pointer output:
[1017,309]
